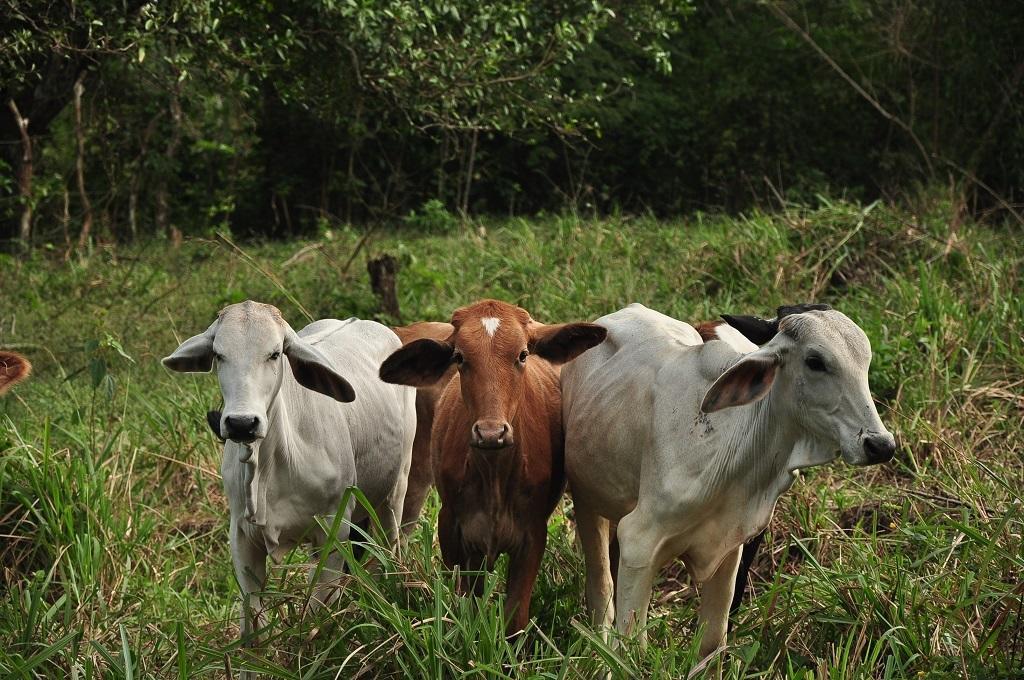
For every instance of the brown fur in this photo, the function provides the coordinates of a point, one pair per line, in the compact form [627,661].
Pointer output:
[13,369]
[708,330]
[421,473]
[497,501]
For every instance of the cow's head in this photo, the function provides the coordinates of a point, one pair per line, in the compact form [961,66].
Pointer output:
[816,368]
[247,342]
[493,345]
[13,369]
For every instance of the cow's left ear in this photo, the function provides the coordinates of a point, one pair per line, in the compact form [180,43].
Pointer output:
[313,370]
[564,342]
[195,355]
[748,380]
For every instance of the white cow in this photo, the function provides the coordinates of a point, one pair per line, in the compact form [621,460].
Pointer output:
[300,432]
[688,446]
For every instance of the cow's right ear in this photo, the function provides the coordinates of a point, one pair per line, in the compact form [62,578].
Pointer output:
[418,364]
[195,355]
[746,381]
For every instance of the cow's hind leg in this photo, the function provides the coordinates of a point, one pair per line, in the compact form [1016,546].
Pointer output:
[392,510]
[594,531]
[333,562]
[750,549]
[421,471]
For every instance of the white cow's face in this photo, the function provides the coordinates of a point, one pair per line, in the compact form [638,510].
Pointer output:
[827,379]
[816,368]
[248,344]
[247,351]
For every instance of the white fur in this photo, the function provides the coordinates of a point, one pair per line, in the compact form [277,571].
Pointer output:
[311,447]
[490,325]
[683,483]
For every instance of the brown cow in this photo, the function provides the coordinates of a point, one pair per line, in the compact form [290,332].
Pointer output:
[421,474]
[13,369]
[497,442]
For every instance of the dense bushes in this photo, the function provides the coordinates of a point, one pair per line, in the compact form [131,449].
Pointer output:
[271,120]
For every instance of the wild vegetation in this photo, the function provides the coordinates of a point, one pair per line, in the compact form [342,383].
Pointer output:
[114,554]
[572,156]
[192,116]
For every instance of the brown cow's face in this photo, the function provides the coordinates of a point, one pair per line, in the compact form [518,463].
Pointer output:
[493,345]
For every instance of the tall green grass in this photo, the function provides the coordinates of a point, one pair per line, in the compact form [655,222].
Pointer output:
[113,550]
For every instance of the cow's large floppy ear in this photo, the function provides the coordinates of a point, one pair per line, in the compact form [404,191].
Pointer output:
[419,364]
[195,355]
[560,343]
[753,328]
[13,369]
[746,381]
[313,370]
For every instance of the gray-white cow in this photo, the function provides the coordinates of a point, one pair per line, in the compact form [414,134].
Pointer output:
[688,446]
[305,416]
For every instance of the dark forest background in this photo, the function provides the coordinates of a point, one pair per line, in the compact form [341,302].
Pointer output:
[128,119]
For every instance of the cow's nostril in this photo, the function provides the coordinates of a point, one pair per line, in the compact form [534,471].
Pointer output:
[880,448]
[241,425]
[491,434]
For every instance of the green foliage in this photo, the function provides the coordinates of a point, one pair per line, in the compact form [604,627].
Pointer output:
[117,554]
[270,118]
[432,217]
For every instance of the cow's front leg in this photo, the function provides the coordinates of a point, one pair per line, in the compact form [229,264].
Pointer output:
[715,597]
[523,566]
[454,554]
[639,546]
[250,562]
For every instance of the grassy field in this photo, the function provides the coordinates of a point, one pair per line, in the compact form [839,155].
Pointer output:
[113,526]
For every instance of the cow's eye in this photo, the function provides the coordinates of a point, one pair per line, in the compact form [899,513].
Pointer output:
[275,355]
[522,356]
[815,363]
[457,358]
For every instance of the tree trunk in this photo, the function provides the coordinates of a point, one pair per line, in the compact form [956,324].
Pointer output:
[83,237]
[383,281]
[25,172]
[170,151]
[469,174]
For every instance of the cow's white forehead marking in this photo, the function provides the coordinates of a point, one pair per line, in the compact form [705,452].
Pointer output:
[490,324]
